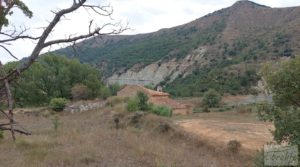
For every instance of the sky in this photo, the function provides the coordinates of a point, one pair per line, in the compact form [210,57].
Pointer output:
[142,16]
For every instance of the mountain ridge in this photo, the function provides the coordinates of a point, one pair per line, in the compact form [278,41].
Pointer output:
[245,33]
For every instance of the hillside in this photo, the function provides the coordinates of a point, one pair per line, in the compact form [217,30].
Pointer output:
[221,50]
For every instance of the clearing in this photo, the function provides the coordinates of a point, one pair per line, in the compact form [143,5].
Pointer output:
[222,127]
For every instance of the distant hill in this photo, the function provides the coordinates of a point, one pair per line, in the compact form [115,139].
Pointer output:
[222,50]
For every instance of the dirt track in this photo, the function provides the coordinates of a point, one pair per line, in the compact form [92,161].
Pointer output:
[225,126]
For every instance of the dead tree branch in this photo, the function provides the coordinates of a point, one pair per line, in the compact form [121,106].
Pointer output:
[42,43]
[10,109]
[9,52]
[16,130]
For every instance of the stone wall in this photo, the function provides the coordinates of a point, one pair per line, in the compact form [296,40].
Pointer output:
[82,106]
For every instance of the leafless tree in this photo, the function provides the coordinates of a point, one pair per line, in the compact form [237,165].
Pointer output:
[42,42]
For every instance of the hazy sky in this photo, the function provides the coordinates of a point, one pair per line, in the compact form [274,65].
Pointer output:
[142,15]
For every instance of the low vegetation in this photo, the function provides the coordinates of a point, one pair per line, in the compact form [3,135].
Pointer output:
[176,43]
[219,79]
[140,103]
[58,104]
[91,139]
[142,99]
[112,137]
[132,105]
[211,98]
[161,110]
[57,77]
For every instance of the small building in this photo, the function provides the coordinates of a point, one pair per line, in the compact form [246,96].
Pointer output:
[155,97]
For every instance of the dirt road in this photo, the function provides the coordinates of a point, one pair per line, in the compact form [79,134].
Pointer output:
[222,127]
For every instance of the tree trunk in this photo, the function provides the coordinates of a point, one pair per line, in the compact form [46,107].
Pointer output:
[10,109]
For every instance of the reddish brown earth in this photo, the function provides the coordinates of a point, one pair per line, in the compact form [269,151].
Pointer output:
[222,127]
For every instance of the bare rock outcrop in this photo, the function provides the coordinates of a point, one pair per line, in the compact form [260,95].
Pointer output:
[159,71]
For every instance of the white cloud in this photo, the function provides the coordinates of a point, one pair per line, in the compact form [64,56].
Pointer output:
[143,16]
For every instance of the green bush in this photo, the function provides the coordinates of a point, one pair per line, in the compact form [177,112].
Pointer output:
[58,104]
[161,110]
[132,105]
[104,92]
[142,101]
[211,98]
[150,86]
[114,88]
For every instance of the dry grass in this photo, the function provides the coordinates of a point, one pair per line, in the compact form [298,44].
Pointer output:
[221,127]
[90,139]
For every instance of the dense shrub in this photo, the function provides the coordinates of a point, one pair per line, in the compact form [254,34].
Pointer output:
[54,76]
[161,110]
[223,81]
[114,88]
[104,93]
[139,102]
[142,101]
[132,105]
[80,92]
[211,98]
[58,104]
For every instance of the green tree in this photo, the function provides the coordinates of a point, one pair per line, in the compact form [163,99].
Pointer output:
[114,88]
[283,82]
[211,98]
[55,76]
[142,101]
[6,7]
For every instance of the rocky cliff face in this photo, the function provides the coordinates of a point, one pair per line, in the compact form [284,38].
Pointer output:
[161,71]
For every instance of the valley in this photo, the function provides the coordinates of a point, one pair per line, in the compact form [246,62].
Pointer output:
[212,92]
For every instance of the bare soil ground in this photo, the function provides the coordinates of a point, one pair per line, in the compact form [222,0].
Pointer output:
[221,127]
